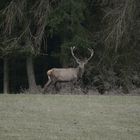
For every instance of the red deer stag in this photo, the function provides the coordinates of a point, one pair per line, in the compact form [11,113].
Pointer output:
[67,74]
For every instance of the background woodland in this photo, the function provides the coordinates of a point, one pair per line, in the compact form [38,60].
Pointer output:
[36,35]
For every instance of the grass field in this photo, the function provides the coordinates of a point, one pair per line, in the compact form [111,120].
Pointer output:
[67,117]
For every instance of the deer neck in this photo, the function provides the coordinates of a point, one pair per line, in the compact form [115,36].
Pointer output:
[80,71]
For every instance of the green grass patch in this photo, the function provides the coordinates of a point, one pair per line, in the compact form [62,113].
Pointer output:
[67,117]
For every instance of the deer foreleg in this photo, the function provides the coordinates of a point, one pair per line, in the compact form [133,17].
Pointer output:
[73,85]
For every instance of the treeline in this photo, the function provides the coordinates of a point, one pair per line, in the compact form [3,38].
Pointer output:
[36,35]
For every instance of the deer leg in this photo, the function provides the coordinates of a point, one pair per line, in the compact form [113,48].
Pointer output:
[73,85]
[56,87]
[47,84]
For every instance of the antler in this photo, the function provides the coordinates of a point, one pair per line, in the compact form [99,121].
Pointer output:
[92,52]
[72,49]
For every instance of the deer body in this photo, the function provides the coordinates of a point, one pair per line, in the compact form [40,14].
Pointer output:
[67,74]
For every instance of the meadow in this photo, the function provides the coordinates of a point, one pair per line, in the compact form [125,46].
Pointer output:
[69,117]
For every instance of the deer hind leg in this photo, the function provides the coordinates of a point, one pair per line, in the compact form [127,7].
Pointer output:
[47,84]
[57,88]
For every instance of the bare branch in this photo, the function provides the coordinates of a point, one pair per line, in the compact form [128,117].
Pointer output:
[41,12]
[120,21]
[13,13]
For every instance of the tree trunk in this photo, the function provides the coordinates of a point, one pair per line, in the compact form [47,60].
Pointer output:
[30,74]
[6,76]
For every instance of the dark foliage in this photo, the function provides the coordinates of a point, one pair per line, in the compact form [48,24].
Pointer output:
[46,29]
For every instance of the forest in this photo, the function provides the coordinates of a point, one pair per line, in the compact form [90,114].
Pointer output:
[36,35]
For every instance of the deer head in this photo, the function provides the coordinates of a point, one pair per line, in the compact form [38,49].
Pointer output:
[81,63]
